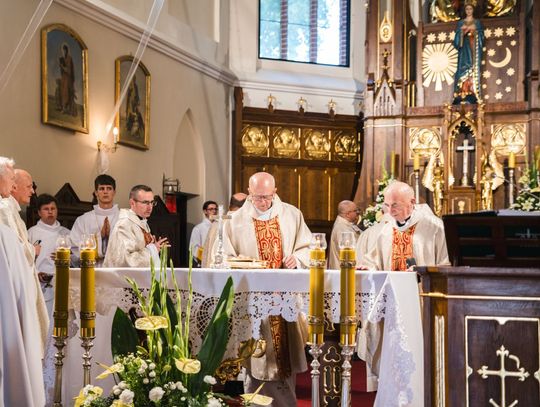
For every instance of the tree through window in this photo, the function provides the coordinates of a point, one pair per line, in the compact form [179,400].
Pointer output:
[314,31]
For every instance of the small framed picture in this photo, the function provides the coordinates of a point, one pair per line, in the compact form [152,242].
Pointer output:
[133,118]
[64,78]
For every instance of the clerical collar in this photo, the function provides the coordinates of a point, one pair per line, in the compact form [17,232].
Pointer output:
[267,214]
[404,223]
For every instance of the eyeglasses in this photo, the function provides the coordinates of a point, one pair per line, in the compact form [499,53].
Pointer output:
[212,208]
[262,197]
[149,203]
[358,211]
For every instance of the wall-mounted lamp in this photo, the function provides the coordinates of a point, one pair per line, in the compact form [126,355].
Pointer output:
[271,100]
[332,108]
[302,104]
[107,148]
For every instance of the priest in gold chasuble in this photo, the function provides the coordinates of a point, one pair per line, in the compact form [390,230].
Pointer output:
[266,228]
[414,232]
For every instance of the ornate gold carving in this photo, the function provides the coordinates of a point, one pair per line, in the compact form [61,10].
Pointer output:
[385,29]
[346,147]
[520,374]
[317,145]
[286,142]
[440,395]
[499,8]
[424,141]
[508,137]
[255,141]
[439,64]
[332,354]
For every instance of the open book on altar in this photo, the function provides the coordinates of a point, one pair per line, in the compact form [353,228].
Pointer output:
[243,262]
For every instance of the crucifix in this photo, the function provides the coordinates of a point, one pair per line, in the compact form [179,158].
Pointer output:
[465,148]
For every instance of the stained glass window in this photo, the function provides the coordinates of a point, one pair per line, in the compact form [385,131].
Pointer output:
[314,31]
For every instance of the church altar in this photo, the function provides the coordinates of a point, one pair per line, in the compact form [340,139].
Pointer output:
[390,296]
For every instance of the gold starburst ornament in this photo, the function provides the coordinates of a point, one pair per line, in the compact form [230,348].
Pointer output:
[439,64]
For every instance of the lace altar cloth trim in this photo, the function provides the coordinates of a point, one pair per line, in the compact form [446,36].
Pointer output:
[251,307]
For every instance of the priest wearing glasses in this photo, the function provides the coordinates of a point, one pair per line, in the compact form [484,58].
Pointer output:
[265,228]
[131,243]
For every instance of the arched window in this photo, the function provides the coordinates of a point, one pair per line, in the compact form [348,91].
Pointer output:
[313,31]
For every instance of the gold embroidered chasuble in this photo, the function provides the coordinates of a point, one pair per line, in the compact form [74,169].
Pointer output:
[427,243]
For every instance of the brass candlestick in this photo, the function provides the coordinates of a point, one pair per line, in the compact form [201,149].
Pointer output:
[417,185]
[511,186]
[60,314]
[348,320]
[317,266]
[59,335]
[88,304]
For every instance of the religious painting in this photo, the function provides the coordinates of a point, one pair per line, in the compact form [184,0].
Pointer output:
[64,78]
[133,118]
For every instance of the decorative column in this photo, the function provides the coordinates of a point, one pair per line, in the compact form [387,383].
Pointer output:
[347,320]
[317,267]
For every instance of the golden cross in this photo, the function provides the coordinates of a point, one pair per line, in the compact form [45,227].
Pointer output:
[521,374]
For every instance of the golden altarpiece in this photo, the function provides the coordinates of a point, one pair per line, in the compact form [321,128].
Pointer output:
[461,148]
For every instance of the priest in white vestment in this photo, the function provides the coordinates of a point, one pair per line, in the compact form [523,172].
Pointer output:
[266,228]
[21,185]
[131,243]
[21,381]
[98,222]
[346,221]
[413,233]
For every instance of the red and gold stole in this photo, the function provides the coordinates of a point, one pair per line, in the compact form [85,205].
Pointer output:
[269,245]
[402,248]
[270,248]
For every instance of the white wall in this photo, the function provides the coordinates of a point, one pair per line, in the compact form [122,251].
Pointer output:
[189,82]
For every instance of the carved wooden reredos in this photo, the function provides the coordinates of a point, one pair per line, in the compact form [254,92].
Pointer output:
[313,156]
[408,100]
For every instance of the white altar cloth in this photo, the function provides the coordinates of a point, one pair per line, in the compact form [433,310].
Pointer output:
[259,293]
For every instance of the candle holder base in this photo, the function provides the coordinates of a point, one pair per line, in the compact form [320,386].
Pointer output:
[87,342]
[346,354]
[59,344]
[315,351]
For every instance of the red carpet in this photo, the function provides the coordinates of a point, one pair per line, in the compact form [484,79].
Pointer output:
[359,397]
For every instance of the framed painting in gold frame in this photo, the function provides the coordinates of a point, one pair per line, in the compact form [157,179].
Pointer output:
[64,78]
[133,118]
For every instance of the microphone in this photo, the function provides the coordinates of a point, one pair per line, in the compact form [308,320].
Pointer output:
[521,191]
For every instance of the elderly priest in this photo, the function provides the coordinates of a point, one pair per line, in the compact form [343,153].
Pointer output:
[21,380]
[266,228]
[413,233]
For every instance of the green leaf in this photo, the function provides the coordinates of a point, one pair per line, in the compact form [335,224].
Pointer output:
[124,338]
[216,338]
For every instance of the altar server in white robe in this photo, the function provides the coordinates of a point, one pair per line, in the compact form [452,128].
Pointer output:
[268,229]
[45,233]
[21,185]
[100,221]
[21,381]
[412,233]
[346,221]
[200,231]
[131,243]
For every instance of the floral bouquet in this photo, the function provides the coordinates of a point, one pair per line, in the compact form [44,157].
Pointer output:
[374,213]
[528,198]
[161,370]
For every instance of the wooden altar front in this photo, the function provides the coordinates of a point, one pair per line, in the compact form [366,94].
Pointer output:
[481,336]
